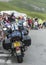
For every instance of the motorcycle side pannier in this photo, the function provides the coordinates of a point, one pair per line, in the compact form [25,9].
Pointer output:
[27,41]
[6,44]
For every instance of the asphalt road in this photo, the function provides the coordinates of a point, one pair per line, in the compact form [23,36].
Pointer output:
[36,53]
[5,0]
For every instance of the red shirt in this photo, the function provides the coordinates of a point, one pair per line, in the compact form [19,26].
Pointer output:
[29,21]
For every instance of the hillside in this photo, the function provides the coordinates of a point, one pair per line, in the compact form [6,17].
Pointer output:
[31,7]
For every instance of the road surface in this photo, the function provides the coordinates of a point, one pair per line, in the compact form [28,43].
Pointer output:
[36,53]
[5,0]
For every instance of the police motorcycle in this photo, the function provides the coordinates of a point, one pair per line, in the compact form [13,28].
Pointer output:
[15,43]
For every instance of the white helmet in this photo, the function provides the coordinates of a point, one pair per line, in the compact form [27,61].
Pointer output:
[25,24]
[9,26]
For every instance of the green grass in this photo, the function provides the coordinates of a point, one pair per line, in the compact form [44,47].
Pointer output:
[25,7]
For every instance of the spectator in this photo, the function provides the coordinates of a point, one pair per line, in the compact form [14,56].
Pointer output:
[40,23]
[36,23]
[1,21]
[29,22]
[44,24]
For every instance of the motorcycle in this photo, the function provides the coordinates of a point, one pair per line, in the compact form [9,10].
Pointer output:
[16,43]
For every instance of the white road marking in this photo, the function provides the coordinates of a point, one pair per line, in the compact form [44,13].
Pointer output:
[9,61]
[4,55]
[3,60]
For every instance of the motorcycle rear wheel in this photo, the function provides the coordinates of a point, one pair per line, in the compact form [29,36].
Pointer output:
[19,59]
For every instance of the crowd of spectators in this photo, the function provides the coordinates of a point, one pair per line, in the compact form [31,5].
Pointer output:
[31,23]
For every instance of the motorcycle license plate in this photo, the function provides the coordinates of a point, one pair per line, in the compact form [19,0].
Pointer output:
[18,52]
[16,44]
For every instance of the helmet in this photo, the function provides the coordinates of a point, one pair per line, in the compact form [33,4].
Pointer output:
[20,25]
